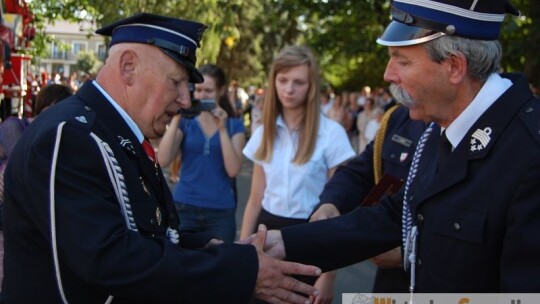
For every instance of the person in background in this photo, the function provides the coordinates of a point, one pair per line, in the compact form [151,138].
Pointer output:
[10,132]
[468,217]
[256,110]
[326,100]
[364,117]
[386,99]
[238,97]
[338,112]
[88,216]
[365,93]
[210,146]
[373,125]
[295,151]
[73,81]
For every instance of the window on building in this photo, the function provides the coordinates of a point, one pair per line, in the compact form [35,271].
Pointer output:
[58,52]
[77,47]
[101,51]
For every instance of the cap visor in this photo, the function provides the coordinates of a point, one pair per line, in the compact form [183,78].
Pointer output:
[400,34]
[194,75]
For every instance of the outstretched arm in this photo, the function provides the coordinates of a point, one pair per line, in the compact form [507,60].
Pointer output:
[274,284]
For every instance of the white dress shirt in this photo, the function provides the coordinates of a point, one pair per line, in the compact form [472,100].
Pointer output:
[293,190]
[494,87]
[132,125]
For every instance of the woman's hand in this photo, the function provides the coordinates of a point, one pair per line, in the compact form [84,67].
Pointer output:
[220,117]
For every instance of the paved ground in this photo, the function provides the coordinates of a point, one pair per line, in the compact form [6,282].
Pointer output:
[352,279]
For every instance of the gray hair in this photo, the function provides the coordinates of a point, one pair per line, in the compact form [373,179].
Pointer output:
[483,56]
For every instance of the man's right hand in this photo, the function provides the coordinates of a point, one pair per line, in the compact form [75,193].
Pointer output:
[325,211]
[274,282]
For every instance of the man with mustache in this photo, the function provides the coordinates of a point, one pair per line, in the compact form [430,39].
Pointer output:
[471,203]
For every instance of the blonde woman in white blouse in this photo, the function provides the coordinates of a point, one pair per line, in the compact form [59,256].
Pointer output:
[295,151]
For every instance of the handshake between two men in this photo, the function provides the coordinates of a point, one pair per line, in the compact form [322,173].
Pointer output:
[274,282]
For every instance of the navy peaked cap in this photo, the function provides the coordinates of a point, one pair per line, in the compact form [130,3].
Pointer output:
[177,38]
[419,21]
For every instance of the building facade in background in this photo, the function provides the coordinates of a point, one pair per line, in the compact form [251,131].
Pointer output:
[78,37]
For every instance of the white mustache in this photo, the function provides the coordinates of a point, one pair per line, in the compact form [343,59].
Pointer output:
[402,96]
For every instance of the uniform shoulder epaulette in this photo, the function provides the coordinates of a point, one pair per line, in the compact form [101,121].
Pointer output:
[530,115]
[83,118]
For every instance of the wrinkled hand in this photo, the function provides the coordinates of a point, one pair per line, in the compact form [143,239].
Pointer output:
[324,212]
[274,284]
[390,259]
[273,246]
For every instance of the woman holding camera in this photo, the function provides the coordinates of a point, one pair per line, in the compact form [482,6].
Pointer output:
[210,146]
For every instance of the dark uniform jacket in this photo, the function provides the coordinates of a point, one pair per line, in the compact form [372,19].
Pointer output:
[97,254]
[478,217]
[352,182]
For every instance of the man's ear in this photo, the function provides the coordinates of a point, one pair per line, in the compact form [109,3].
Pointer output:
[128,64]
[457,65]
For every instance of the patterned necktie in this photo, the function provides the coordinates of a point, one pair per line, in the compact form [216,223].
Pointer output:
[149,149]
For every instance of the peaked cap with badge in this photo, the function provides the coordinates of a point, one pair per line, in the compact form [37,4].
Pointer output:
[473,220]
[177,38]
[419,21]
[89,217]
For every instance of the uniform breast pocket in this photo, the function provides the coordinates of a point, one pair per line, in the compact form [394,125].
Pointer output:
[396,157]
[148,217]
[454,246]
[461,224]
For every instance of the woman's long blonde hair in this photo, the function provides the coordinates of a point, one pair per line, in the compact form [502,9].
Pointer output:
[289,57]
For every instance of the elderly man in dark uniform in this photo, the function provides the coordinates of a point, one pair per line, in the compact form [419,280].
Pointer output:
[88,215]
[471,203]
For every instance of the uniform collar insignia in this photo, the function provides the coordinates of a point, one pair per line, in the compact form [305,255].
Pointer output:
[127,145]
[81,119]
[480,139]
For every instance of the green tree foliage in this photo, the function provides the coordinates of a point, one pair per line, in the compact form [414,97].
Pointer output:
[87,62]
[243,36]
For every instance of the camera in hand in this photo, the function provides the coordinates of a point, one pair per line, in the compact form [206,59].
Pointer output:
[197,106]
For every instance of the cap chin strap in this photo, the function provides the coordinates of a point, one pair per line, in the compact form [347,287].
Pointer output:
[409,19]
[180,49]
